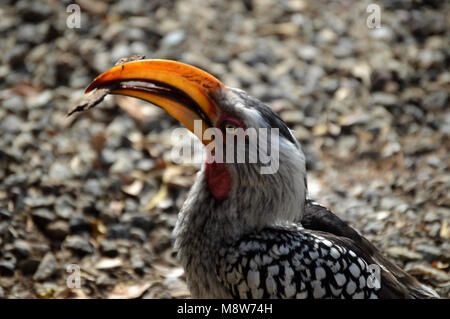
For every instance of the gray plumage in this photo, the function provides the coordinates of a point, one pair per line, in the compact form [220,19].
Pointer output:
[265,240]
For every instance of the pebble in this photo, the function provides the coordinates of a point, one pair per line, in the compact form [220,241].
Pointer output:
[59,171]
[145,165]
[173,38]
[47,268]
[404,253]
[436,101]
[138,264]
[58,229]
[79,224]
[430,252]
[41,201]
[384,99]
[16,55]
[109,248]
[11,124]
[138,220]
[4,213]
[137,234]
[64,207]
[40,100]
[29,266]
[22,248]
[34,11]
[165,204]
[42,216]
[7,268]
[15,104]
[103,280]
[78,244]
[292,117]
[117,231]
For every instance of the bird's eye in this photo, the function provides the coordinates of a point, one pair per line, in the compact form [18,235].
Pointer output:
[230,128]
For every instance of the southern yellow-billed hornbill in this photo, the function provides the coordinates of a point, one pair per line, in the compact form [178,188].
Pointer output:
[245,234]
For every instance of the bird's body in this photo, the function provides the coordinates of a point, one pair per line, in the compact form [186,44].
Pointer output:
[244,234]
[316,255]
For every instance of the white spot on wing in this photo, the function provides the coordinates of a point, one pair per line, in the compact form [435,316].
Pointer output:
[271,285]
[351,287]
[320,273]
[253,279]
[354,269]
[302,295]
[335,291]
[326,242]
[267,259]
[334,253]
[318,290]
[257,293]
[243,289]
[313,254]
[362,282]
[273,270]
[289,290]
[340,279]
[358,295]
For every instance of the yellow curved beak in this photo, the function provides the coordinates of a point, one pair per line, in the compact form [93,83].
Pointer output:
[185,92]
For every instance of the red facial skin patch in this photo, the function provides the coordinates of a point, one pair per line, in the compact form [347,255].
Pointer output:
[219,180]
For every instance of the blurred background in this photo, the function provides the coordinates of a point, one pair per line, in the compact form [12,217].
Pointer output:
[90,201]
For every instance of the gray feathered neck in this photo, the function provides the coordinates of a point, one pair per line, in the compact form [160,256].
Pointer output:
[255,200]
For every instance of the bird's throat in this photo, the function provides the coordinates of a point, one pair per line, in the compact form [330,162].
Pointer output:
[219,180]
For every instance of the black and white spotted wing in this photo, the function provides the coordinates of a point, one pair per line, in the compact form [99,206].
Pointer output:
[395,283]
[293,262]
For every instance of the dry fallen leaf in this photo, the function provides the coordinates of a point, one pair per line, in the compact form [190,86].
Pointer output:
[98,227]
[167,271]
[320,130]
[127,291]
[427,272]
[77,293]
[180,176]
[445,230]
[109,263]
[159,197]
[404,253]
[133,189]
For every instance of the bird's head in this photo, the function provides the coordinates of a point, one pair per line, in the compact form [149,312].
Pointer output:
[260,178]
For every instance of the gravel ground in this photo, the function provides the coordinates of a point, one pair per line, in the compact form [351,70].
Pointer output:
[99,193]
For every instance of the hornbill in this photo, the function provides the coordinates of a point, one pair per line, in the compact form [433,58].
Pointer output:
[243,234]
